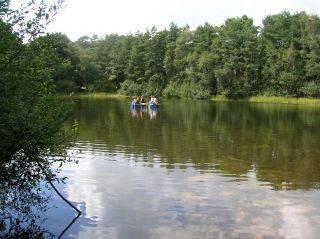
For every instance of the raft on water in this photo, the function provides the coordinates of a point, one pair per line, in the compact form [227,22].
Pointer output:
[136,106]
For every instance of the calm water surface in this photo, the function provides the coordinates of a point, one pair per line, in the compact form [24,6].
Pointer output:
[193,170]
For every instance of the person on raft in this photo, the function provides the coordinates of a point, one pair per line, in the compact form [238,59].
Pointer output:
[134,100]
[142,100]
[153,100]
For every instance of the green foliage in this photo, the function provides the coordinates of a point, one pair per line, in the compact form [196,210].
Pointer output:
[311,89]
[129,87]
[292,52]
[31,117]
[32,139]
[236,60]
[186,90]
[155,86]
[61,57]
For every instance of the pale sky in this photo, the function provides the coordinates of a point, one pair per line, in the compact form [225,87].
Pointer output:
[83,17]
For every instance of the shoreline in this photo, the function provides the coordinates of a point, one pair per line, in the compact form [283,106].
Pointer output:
[272,100]
[101,95]
[219,98]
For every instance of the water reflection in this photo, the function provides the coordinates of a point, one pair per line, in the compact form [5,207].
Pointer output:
[27,203]
[280,143]
[23,203]
[200,170]
[140,113]
[130,200]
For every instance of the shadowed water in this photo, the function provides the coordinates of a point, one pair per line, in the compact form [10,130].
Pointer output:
[193,169]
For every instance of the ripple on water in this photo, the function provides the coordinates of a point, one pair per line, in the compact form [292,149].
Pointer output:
[197,170]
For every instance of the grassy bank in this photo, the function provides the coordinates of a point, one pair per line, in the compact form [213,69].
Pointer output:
[101,96]
[93,96]
[273,99]
[219,98]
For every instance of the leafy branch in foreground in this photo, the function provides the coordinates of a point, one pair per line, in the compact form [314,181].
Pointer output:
[33,141]
[31,119]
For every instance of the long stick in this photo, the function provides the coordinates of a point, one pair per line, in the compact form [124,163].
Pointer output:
[55,189]
[64,199]
[70,224]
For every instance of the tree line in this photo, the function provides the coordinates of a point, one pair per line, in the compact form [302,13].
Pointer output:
[237,59]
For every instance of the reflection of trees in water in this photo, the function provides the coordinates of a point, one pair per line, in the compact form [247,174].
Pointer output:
[280,143]
[22,202]
[24,198]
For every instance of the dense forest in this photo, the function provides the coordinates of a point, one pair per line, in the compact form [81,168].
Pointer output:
[237,59]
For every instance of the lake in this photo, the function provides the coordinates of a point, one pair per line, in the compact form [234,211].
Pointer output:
[192,169]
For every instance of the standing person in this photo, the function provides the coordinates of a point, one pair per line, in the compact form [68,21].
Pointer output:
[155,100]
[151,99]
[134,101]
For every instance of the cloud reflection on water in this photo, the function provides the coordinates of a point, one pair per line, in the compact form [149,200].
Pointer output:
[126,199]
